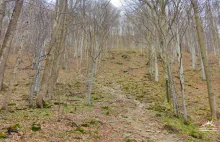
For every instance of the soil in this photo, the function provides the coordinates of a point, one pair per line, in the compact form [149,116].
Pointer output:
[126,105]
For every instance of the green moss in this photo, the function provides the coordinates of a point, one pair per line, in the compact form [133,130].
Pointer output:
[3,136]
[47,104]
[12,104]
[105,108]
[177,125]
[35,127]
[81,130]
[196,134]
[107,113]
[45,112]
[96,131]
[128,140]
[119,63]
[77,84]
[160,107]
[16,126]
[85,125]
[93,122]
[96,96]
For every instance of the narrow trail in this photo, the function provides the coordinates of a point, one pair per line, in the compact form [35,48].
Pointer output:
[139,124]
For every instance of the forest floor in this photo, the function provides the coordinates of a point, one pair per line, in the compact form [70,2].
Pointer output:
[126,105]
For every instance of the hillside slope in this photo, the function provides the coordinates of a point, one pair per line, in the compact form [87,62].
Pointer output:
[126,106]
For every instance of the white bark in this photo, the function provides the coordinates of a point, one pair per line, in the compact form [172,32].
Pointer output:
[155,64]
[181,75]
[193,52]
[35,87]
[193,55]
[202,66]
[173,55]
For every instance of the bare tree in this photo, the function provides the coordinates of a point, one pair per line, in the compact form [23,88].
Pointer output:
[54,54]
[4,51]
[200,33]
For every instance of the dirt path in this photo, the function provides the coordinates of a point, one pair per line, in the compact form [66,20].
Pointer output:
[139,124]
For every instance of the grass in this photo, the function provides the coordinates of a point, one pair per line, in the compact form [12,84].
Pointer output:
[105,107]
[133,82]
[176,125]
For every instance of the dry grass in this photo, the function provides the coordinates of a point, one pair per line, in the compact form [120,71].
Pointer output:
[103,121]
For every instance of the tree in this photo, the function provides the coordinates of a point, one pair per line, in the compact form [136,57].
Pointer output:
[54,54]
[2,14]
[201,39]
[4,51]
[101,20]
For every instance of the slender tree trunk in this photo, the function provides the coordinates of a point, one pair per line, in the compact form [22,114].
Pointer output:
[212,98]
[193,52]
[35,87]
[14,74]
[167,65]
[203,76]
[4,51]
[173,55]
[56,63]
[150,57]
[181,74]
[65,58]
[93,62]
[155,65]
[2,15]
[51,65]
[171,85]
[216,38]
[91,82]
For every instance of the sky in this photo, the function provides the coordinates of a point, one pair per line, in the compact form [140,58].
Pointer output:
[116,3]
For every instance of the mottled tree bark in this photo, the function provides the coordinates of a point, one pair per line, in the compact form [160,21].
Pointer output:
[181,75]
[4,52]
[201,40]
[52,62]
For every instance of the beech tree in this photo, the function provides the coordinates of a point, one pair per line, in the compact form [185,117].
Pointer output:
[4,51]
[54,55]
[200,33]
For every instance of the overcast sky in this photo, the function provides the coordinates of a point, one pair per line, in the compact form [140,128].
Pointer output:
[116,3]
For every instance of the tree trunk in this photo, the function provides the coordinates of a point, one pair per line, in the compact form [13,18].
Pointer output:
[181,75]
[171,84]
[201,39]
[91,82]
[35,87]
[93,62]
[193,51]
[51,66]
[4,51]
[203,76]
[156,79]
[2,15]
